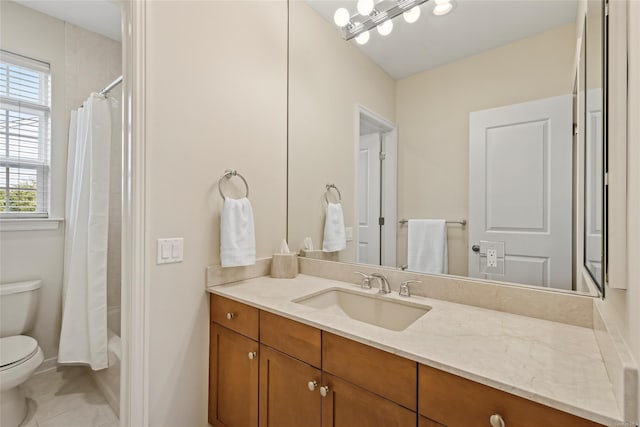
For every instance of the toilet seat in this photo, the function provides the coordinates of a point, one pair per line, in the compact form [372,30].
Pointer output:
[16,350]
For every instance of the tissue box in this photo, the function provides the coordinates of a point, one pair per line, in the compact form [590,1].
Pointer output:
[284,266]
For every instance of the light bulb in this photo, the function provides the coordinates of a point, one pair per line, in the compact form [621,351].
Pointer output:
[412,14]
[442,9]
[365,7]
[341,17]
[363,37]
[385,28]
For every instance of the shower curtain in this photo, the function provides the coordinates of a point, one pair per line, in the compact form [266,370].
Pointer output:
[83,338]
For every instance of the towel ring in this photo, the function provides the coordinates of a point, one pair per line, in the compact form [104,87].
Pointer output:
[228,174]
[329,187]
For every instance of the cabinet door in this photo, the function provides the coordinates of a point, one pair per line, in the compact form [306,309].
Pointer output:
[233,379]
[347,405]
[285,397]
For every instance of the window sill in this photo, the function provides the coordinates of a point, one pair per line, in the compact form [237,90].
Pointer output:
[29,224]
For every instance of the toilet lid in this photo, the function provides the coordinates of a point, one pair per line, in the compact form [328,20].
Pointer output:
[15,348]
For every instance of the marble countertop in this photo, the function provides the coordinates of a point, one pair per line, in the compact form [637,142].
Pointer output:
[551,363]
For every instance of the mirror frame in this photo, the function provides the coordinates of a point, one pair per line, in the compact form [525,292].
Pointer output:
[600,281]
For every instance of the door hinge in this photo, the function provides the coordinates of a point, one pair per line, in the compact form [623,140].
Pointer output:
[575,128]
[381,220]
[606,8]
[383,155]
[606,179]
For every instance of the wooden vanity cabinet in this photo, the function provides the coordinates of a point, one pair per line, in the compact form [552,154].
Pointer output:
[261,365]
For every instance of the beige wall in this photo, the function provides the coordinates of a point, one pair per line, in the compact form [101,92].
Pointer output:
[216,84]
[328,78]
[433,120]
[81,62]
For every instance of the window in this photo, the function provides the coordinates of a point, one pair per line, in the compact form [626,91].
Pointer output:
[25,107]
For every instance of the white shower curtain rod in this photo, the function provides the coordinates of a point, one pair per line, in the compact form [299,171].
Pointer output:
[110,86]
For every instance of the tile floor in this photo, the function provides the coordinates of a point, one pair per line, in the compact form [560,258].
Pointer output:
[67,397]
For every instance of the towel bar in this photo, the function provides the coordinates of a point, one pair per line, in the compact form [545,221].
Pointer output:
[462,222]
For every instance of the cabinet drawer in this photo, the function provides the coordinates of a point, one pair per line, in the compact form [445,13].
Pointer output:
[383,373]
[455,401]
[235,316]
[293,338]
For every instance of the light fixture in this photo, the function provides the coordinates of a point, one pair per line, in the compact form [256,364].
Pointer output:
[363,37]
[385,28]
[381,15]
[341,17]
[365,7]
[412,14]
[442,7]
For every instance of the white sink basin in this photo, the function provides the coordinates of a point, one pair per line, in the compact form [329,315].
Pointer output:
[374,310]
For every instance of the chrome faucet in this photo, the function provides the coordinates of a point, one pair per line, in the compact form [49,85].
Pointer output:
[384,283]
[366,280]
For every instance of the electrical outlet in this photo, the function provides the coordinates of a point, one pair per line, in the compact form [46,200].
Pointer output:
[492,258]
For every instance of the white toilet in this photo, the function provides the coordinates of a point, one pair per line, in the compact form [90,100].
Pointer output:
[20,355]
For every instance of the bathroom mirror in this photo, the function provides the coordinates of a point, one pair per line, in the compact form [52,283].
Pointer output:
[465,117]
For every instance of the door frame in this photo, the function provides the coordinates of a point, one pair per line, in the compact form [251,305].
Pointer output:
[134,377]
[389,186]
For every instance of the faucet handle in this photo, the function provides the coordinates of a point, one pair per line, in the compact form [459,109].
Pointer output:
[366,280]
[404,287]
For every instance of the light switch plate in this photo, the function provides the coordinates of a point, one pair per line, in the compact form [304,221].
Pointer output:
[170,250]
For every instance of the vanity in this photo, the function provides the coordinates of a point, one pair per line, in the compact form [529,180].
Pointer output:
[296,352]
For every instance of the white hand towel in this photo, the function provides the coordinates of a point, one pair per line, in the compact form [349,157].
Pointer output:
[334,235]
[428,246]
[237,234]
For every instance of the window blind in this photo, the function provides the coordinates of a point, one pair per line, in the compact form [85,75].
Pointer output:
[25,107]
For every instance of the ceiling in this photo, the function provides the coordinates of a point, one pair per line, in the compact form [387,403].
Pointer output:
[99,16]
[472,27]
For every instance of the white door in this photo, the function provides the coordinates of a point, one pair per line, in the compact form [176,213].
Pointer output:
[593,183]
[369,199]
[520,186]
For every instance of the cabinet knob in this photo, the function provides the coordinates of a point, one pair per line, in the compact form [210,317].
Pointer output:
[312,385]
[496,421]
[252,355]
[230,316]
[324,390]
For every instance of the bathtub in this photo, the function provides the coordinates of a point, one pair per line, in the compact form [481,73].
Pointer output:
[108,380]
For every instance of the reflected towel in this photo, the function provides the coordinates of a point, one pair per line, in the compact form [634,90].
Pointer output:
[237,234]
[427,251]
[334,234]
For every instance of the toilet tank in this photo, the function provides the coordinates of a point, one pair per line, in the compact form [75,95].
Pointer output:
[18,307]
